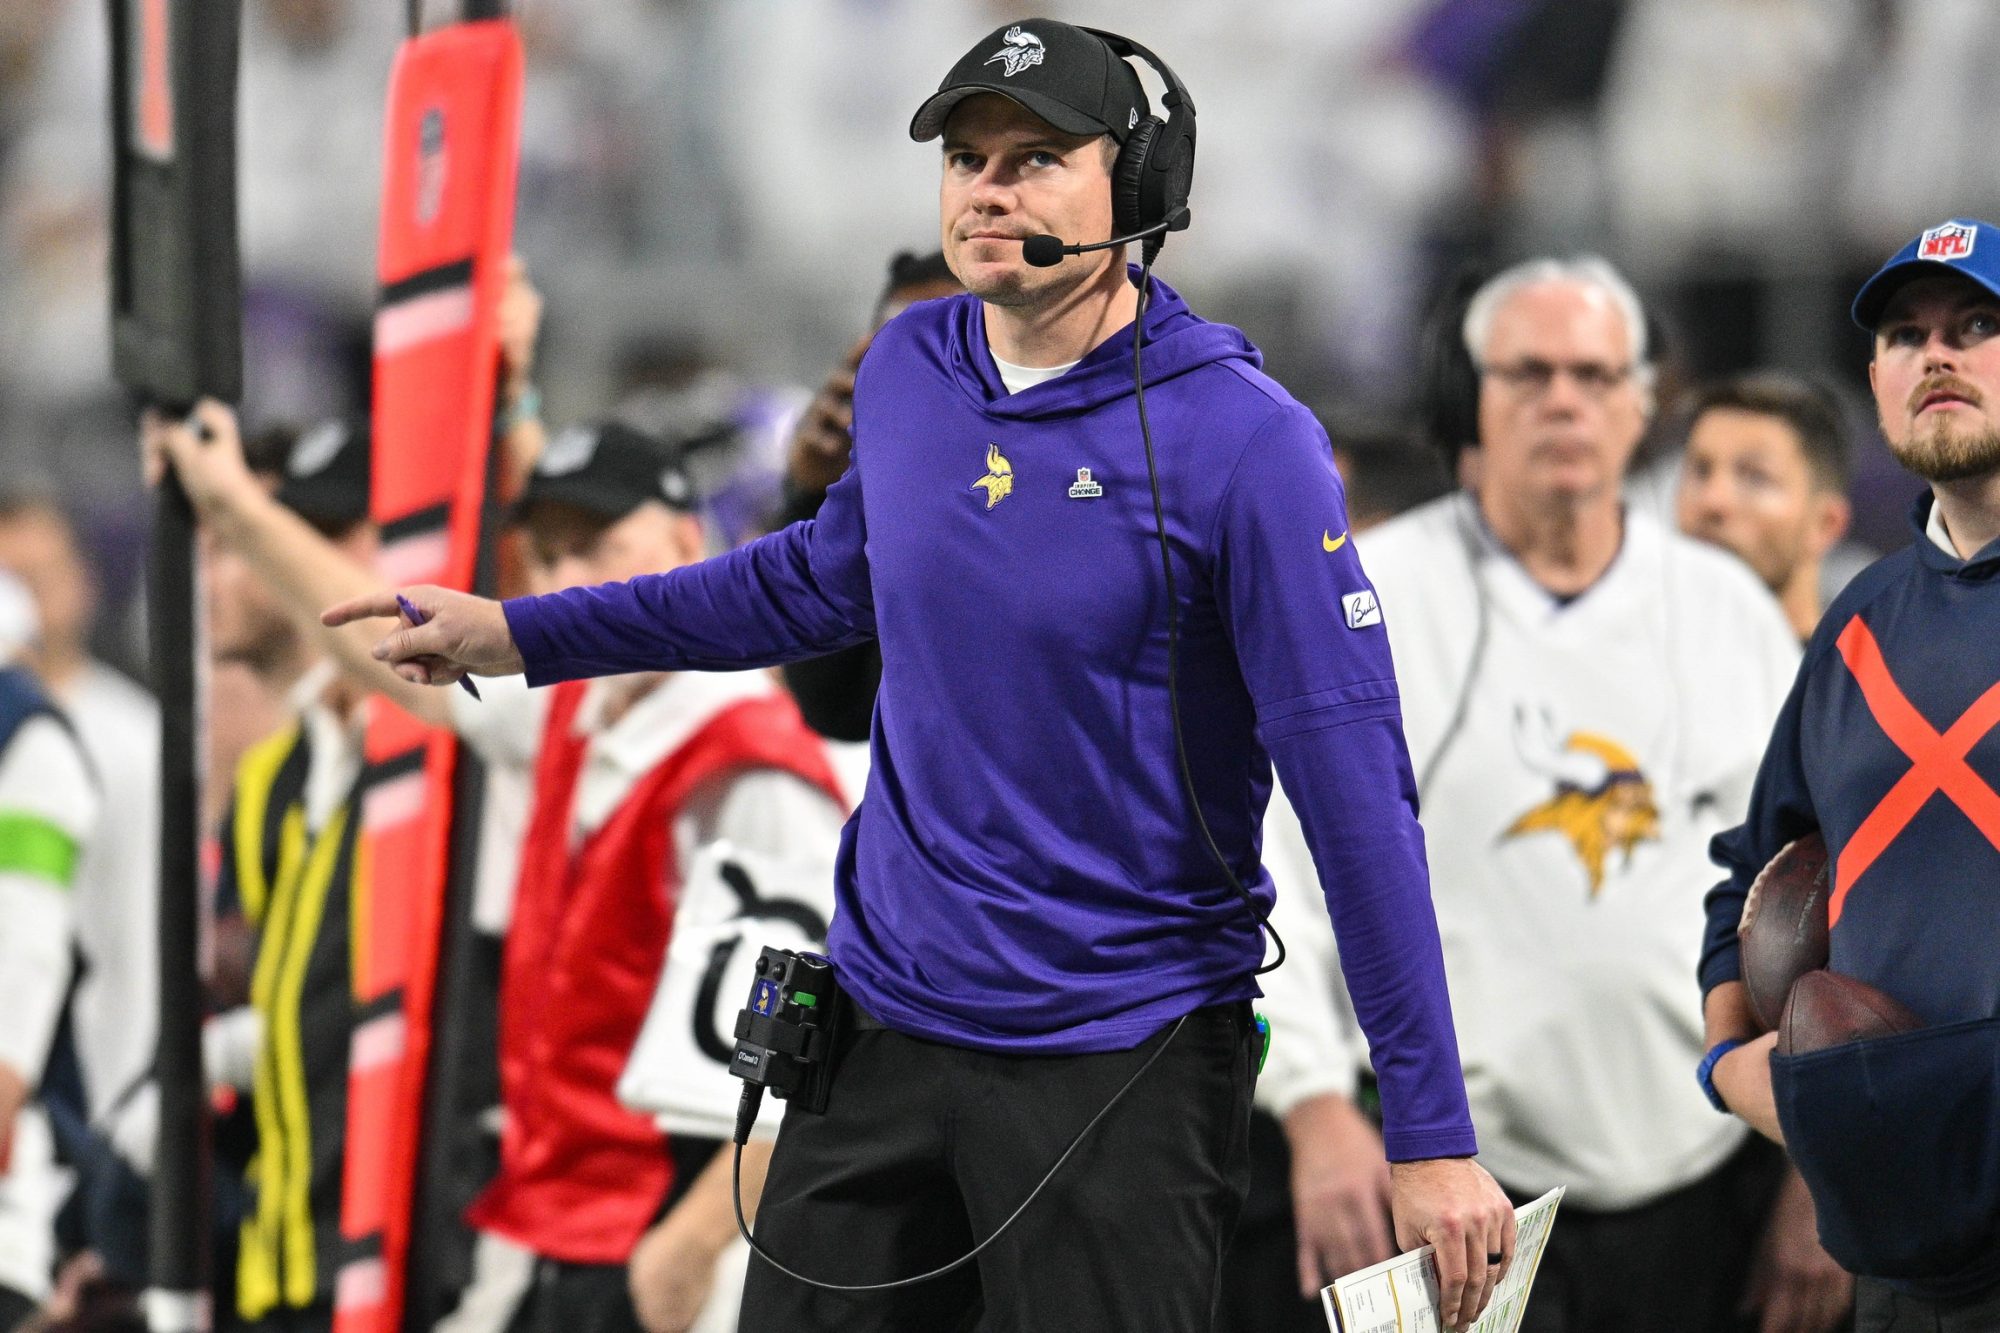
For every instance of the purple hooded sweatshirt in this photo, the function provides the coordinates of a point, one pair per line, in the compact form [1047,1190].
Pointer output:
[1024,873]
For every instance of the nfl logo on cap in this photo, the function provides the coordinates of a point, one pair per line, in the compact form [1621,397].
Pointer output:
[1951,241]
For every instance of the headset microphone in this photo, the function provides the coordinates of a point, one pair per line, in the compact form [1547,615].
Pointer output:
[1048,251]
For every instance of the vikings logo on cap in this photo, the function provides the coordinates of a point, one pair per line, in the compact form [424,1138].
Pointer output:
[1603,802]
[675,488]
[1951,241]
[568,452]
[1023,50]
[316,449]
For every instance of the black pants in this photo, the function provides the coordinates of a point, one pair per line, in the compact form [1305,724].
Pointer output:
[925,1149]
[312,1319]
[1260,1292]
[1880,1308]
[1677,1264]
[576,1298]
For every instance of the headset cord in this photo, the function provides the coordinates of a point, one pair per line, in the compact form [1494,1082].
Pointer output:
[1468,535]
[1263,918]
[746,1113]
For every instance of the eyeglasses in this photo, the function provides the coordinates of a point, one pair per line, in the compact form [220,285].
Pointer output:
[1532,378]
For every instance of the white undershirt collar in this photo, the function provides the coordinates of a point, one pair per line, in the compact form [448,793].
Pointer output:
[1934,529]
[1017,378]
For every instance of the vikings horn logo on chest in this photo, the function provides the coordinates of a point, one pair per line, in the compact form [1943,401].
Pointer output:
[999,479]
[1602,804]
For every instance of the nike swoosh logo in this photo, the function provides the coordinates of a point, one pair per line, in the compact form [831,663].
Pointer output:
[1333,543]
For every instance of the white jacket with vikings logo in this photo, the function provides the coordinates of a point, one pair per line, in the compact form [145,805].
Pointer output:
[1570,780]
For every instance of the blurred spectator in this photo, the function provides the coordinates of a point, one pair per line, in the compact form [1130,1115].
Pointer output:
[288,864]
[836,693]
[113,1004]
[49,809]
[1765,475]
[706,756]
[241,709]
[1575,747]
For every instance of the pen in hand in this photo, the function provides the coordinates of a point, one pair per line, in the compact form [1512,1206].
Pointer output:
[416,617]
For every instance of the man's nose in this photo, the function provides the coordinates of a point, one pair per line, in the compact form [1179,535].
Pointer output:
[1939,352]
[1565,395]
[993,189]
[1710,497]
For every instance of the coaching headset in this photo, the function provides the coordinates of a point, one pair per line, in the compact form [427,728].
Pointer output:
[1077,80]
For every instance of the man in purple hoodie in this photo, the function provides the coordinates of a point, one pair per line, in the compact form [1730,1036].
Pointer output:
[1028,910]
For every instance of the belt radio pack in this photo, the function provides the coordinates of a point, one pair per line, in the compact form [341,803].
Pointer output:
[785,1040]
[785,1034]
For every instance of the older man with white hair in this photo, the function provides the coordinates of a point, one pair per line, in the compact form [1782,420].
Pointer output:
[1585,695]
[48,807]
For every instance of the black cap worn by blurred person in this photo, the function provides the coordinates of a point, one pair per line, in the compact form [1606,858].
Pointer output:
[606,469]
[1061,73]
[325,477]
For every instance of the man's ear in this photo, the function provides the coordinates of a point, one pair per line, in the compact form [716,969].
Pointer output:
[690,538]
[1832,515]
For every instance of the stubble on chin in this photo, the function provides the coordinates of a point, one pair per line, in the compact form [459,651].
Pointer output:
[1002,289]
[1942,451]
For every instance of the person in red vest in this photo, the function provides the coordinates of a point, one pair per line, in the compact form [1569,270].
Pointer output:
[627,777]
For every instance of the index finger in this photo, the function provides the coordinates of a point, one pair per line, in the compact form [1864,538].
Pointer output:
[374,605]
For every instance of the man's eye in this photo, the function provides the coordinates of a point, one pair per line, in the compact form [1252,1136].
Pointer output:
[1984,323]
[1044,158]
[1904,335]
[961,161]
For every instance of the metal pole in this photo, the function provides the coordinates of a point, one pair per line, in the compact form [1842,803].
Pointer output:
[182,1214]
[176,326]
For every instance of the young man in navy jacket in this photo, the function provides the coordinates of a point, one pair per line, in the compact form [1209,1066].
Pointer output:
[1888,747]
[1026,910]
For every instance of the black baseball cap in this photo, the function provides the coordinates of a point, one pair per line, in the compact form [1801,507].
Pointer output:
[608,469]
[325,478]
[1063,74]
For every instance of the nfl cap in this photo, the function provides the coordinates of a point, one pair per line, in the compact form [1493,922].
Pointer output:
[325,480]
[1061,73]
[1962,245]
[608,469]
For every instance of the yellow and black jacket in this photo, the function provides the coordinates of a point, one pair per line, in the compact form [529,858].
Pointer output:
[295,887]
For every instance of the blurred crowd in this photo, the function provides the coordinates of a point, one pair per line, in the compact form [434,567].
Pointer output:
[709,193]
[708,187]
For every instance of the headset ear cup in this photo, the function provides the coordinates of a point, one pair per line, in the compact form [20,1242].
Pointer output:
[1448,381]
[1129,206]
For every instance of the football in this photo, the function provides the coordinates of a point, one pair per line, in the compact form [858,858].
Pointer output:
[1828,1009]
[1783,931]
